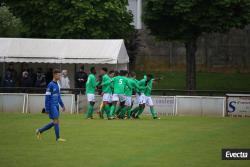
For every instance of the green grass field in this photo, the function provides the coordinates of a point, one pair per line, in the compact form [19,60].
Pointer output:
[171,141]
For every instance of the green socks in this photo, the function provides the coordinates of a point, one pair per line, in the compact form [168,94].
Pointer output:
[118,110]
[90,111]
[135,110]
[123,112]
[153,112]
[140,112]
[112,110]
[129,112]
[106,108]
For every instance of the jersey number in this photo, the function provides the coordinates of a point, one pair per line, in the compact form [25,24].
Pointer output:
[120,81]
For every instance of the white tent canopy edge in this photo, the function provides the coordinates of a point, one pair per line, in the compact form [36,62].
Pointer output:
[64,51]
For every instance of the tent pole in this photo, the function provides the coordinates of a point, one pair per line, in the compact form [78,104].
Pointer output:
[3,71]
[75,77]
[117,65]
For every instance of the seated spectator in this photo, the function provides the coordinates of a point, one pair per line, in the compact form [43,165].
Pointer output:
[81,79]
[64,81]
[40,78]
[26,80]
[49,75]
[32,75]
[12,71]
[8,80]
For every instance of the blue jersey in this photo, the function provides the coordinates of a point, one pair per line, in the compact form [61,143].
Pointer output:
[53,97]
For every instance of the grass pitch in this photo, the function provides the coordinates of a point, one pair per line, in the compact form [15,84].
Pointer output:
[171,141]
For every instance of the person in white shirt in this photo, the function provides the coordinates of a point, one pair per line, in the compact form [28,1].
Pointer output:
[64,81]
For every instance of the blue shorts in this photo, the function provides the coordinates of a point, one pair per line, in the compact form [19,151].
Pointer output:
[54,112]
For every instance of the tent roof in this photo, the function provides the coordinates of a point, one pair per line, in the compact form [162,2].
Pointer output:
[63,51]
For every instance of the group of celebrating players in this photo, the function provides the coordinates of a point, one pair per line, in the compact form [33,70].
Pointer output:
[116,87]
[119,87]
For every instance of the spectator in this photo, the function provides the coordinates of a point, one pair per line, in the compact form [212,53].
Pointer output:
[64,81]
[32,75]
[8,80]
[40,78]
[26,80]
[12,71]
[0,81]
[81,78]
[49,75]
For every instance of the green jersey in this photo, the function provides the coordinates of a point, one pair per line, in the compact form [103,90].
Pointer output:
[91,84]
[142,84]
[119,84]
[129,90]
[106,84]
[149,88]
[133,83]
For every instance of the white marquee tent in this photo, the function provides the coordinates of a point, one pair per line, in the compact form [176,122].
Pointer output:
[67,54]
[72,51]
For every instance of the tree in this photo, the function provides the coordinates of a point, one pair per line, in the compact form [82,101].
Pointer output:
[80,19]
[185,21]
[10,26]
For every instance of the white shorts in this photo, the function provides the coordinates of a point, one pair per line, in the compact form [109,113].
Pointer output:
[91,97]
[128,101]
[149,101]
[140,98]
[107,97]
[118,97]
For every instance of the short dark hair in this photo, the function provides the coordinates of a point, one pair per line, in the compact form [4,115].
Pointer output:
[105,69]
[82,67]
[122,73]
[132,74]
[117,73]
[111,72]
[150,76]
[56,71]
[92,69]
[125,72]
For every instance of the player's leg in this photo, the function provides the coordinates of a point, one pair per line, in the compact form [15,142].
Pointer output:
[149,102]
[57,130]
[115,99]
[48,126]
[107,99]
[122,99]
[129,111]
[127,106]
[91,103]
[43,129]
[136,109]
[123,110]
[117,112]
[140,111]
[101,110]
[142,102]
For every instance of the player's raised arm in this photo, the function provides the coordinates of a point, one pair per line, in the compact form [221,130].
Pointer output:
[106,82]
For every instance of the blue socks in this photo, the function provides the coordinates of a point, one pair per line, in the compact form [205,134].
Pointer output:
[46,127]
[56,127]
[50,125]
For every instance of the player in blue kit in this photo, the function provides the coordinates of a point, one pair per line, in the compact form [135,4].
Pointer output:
[52,101]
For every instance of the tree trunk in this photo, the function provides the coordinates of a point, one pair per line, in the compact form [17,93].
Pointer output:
[191,64]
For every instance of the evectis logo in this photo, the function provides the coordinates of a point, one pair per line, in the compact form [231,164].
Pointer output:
[235,154]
